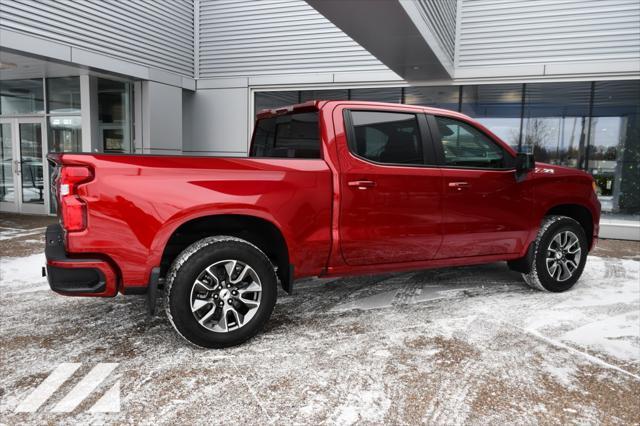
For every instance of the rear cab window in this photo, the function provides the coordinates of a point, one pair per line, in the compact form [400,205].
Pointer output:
[294,135]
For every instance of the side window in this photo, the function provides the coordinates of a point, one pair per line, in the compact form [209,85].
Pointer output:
[287,136]
[466,146]
[386,137]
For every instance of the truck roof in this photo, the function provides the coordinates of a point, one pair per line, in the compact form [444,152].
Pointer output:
[315,105]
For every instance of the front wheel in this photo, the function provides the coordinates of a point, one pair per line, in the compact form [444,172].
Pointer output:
[560,253]
[220,292]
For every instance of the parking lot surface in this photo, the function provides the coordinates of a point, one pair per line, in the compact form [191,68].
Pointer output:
[470,345]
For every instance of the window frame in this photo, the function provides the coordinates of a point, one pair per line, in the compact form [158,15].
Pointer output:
[429,157]
[439,148]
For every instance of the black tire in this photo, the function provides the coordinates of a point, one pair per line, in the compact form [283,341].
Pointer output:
[191,264]
[539,276]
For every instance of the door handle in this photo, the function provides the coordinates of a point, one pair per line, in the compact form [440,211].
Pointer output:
[362,184]
[459,185]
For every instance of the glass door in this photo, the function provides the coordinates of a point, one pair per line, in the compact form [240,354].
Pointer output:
[23,176]
[7,170]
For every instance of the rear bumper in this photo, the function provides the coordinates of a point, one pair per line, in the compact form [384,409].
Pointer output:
[76,277]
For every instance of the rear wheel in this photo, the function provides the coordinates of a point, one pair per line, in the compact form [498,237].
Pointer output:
[220,292]
[560,253]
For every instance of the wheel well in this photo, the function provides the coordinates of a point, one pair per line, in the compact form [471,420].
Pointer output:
[577,212]
[262,233]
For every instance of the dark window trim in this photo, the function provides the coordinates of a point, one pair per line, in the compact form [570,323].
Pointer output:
[437,143]
[587,146]
[522,109]
[428,152]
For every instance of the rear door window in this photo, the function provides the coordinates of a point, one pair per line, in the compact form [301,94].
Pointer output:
[386,137]
[287,136]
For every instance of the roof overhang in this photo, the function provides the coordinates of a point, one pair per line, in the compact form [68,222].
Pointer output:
[394,31]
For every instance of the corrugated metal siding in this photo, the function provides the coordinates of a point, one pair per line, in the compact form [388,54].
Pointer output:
[440,16]
[248,38]
[515,32]
[157,34]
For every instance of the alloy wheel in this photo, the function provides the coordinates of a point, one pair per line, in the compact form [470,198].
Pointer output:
[563,255]
[225,296]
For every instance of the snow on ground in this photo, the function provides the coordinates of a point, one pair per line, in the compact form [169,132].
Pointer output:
[22,274]
[451,346]
[8,233]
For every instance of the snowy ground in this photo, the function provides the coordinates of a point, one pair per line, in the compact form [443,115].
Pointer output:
[466,345]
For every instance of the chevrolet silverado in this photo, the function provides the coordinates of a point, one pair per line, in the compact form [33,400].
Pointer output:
[329,188]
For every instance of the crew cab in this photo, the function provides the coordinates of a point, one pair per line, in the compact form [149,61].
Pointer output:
[329,188]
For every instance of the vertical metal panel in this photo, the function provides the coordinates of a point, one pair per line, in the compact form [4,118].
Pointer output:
[440,16]
[246,38]
[157,34]
[521,32]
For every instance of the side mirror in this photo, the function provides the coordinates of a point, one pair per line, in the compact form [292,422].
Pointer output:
[525,162]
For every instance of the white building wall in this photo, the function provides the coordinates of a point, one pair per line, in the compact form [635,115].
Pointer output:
[551,38]
[162,119]
[441,18]
[219,122]
[156,34]
[274,37]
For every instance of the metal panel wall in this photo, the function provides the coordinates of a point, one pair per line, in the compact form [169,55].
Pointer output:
[156,34]
[440,16]
[251,38]
[522,32]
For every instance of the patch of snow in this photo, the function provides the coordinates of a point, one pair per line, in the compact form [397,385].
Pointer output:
[366,406]
[22,273]
[601,313]
[617,336]
[562,374]
[11,233]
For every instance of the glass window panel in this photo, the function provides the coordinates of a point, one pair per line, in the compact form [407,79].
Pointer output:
[324,95]
[465,146]
[114,115]
[391,95]
[386,137]
[31,163]
[7,187]
[65,134]
[63,95]
[555,122]
[498,107]
[21,97]
[614,148]
[446,97]
[269,100]
[287,136]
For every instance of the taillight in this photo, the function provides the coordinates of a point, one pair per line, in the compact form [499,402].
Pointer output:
[73,208]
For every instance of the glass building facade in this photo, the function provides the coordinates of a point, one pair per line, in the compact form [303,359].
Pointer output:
[592,126]
[44,115]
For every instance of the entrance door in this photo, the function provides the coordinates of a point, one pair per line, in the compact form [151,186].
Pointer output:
[23,177]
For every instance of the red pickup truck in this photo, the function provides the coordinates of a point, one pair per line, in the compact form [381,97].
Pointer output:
[329,188]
